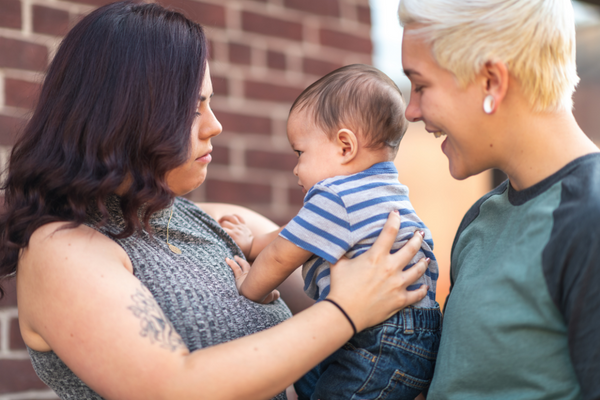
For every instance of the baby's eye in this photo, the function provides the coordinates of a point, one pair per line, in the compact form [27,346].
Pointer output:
[418,89]
[299,152]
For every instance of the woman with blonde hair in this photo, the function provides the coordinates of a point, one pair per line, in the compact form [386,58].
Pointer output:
[495,79]
[122,286]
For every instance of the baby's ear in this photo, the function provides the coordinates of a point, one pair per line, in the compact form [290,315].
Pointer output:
[348,144]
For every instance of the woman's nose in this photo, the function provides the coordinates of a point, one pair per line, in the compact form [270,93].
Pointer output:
[413,110]
[213,126]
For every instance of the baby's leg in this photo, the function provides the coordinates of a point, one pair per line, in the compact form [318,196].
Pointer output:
[305,386]
[393,360]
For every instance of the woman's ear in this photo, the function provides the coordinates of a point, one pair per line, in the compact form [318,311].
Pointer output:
[495,85]
[348,144]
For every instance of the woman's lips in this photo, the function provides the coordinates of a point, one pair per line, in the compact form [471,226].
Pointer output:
[205,158]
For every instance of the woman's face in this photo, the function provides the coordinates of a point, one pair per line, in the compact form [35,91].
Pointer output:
[192,173]
[448,109]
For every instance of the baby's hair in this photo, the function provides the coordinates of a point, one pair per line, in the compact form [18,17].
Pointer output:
[358,97]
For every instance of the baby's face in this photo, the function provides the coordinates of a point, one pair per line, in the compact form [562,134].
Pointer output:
[318,157]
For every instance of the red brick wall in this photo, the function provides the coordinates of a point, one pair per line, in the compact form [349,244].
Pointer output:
[587,95]
[263,53]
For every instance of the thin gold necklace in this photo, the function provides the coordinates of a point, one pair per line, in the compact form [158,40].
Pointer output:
[173,248]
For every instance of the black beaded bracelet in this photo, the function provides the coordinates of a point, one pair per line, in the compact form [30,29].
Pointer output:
[343,312]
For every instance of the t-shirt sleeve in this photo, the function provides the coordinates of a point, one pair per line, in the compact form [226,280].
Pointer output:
[321,226]
[572,268]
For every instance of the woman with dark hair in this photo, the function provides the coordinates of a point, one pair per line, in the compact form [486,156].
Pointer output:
[122,286]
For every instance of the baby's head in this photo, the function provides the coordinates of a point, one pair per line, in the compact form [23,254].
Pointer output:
[345,122]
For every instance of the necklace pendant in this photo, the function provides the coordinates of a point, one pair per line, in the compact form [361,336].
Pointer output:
[174,249]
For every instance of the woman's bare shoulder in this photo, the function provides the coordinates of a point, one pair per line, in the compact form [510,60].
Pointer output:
[56,241]
[56,259]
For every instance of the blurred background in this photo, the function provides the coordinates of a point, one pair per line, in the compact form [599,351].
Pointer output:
[263,54]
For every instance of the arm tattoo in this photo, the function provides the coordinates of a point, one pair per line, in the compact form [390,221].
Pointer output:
[154,324]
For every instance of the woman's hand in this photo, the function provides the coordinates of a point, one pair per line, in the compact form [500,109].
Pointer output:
[372,286]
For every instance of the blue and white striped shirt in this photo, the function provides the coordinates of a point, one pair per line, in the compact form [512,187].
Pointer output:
[344,215]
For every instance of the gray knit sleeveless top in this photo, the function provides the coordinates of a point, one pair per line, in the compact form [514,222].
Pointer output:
[196,290]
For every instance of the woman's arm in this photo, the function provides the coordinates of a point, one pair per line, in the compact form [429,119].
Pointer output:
[78,297]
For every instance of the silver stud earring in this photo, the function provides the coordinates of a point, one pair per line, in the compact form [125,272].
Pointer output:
[488,104]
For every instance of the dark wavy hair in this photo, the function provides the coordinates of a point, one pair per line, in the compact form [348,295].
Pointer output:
[115,111]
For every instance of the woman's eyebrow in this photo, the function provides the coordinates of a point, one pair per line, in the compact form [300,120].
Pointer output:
[409,72]
[203,98]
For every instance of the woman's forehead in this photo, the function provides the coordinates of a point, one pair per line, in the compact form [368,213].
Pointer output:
[416,53]
[206,89]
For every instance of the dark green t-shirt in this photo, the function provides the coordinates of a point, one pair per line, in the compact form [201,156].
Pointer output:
[522,320]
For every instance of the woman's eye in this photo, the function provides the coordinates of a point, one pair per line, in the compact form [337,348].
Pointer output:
[299,152]
[418,89]
[197,114]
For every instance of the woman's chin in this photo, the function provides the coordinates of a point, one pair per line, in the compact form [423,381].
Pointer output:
[183,188]
[457,171]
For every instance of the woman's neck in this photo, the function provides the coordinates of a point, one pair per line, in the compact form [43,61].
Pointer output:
[537,145]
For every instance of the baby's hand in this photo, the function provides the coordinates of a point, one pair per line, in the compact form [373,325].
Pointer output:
[236,227]
[240,272]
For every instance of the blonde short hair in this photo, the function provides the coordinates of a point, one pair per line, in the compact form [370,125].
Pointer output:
[535,38]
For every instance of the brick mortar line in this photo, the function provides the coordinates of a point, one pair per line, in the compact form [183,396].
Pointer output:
[16,112]
[278,145]
[279,195]
[233,16]
[26,17]
[33,38]
[310,28]
[4,155]
[261,73]
[359,2]
[16,355]
[24,75]
[293,75]
[257,108]
[251,175]
[269,9]
[258,58]
[6,314]
[294,53]
[348,12]
[237,158]
[2,94]
[31,394]
[73,8]
[226,35]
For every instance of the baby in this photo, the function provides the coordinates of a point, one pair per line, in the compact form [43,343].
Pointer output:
[346,128]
